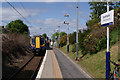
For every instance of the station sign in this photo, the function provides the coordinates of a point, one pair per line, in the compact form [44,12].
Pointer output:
[107,18]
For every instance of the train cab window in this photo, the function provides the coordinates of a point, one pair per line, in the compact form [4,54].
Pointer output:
[41,41]
[33,41]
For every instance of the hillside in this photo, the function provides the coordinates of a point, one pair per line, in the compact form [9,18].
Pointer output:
[15,52]
[95,64]
[94,44]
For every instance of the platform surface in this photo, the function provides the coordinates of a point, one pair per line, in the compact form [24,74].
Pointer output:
[69,68]
[50,67]
[57,64]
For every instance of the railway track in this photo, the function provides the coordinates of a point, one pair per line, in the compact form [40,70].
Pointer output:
[29,70]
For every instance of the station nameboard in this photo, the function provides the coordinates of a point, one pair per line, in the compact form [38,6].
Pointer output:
[107,18]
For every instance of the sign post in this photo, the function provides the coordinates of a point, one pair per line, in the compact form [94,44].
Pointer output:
[67,33]
[106,20]
[107,53]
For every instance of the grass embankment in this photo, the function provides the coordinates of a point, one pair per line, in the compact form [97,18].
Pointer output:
[95,64]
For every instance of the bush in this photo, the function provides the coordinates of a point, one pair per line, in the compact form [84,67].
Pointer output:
[63,40]
[114,35]
[82,38]
[102,44]
[94,39]
[72,38]
[74,48]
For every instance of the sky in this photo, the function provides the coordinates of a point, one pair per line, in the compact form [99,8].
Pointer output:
[45,17]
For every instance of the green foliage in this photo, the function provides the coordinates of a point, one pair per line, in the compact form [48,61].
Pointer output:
[114,35]
[56,34]
[102,44]
[63,37]
[44,35]
[98,41]
[94,39]
[14,30]
[73,38]
[99,8]
[63,40]
[5,31]
[117,5]
[62,34]
[18,26]
[113,39]
[74,48]
[81,40]
[90,23]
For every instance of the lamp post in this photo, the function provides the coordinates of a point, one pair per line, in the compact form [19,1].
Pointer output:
[59,36]
[77,34]
[67,32]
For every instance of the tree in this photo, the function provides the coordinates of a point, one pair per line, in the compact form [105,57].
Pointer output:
[63,40]
[17,26]
[73,38]
[55,35]
[62,34]
[99,8]
[44,35]
[90,23]
[117,5]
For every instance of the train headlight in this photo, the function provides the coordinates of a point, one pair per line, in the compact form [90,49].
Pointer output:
[43,45]
[33,45]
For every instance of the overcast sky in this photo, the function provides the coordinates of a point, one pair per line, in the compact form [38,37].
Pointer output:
[46,16]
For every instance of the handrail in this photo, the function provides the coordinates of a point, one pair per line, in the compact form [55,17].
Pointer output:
[114,63]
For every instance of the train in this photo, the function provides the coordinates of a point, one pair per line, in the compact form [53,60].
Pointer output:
[38,45]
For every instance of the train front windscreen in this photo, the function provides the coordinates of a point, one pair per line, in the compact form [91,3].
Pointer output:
[41,41]
[33,41]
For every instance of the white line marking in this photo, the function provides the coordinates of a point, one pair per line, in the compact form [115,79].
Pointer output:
[79,67]
[42,66]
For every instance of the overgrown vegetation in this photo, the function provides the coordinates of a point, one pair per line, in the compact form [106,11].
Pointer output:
[72,38]
[13,46]
[63,40]
[93,40]
[94,64]
[98,8]
[15,41]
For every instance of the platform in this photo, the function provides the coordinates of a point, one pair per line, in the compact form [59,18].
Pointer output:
[49,67]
